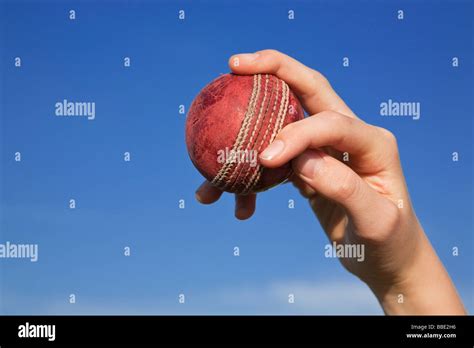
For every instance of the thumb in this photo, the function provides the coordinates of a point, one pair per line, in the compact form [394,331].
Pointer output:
[341,184]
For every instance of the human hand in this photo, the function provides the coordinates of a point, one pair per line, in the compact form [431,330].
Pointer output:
[363,200]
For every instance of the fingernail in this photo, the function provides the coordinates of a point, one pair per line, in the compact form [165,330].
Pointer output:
[245,57]
[197,194]
[242,213]
[198,197]
[248,56]
[273,150]
[309,163]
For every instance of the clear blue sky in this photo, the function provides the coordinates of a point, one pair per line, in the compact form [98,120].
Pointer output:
[136,204]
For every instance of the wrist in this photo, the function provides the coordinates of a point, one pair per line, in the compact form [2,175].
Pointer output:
[422,287]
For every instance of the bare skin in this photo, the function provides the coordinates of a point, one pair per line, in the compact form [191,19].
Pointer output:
[361,201]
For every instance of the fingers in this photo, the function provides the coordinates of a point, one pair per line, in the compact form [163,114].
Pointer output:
[341,184]
[311,87]
[244,206]
[332,217]
[208,194]
[328,128]
[305,190]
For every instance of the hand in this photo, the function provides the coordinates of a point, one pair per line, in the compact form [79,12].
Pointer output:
[363,200]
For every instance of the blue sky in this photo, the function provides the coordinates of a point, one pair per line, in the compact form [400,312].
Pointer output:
[135,204]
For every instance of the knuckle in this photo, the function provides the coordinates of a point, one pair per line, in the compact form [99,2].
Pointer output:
[329,116]
[272,60]
[392,218]
[348,187]
[288,129]
[388,136]
[335,118]
[389,142]
[318,78]
[386,226]
[270,54]
[269,51]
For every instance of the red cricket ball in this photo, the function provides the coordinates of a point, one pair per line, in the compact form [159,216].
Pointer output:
[231,121]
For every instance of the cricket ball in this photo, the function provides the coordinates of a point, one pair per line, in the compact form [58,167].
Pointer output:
[231,121]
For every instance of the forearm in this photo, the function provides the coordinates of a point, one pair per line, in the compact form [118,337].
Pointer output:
[426,288]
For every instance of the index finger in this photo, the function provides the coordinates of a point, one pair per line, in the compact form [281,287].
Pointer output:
[311,87]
